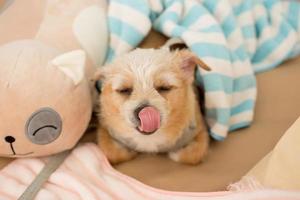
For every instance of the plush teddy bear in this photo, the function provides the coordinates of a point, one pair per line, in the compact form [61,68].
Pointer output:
[49,50]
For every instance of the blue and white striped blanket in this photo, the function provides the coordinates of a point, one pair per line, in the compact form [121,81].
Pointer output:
[236,38]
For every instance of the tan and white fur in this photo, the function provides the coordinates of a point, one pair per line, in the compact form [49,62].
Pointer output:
[159,78]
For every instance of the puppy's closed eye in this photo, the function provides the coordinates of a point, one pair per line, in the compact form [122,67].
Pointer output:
[164,89]
[125,91]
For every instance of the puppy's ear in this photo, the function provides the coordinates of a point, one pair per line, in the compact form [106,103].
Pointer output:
[190,61]
[100,74]
[98,78]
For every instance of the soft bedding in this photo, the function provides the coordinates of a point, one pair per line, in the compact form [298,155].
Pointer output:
[86,174]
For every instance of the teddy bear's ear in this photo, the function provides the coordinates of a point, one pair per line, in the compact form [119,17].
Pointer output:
[72,64]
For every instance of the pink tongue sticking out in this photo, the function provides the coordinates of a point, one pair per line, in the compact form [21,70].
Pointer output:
[150,120]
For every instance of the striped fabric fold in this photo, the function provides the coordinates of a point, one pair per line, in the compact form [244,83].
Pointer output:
[236,38]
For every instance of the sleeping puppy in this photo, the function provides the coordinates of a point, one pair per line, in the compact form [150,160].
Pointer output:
[148,104]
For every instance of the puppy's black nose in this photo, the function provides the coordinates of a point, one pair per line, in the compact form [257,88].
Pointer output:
[9,139]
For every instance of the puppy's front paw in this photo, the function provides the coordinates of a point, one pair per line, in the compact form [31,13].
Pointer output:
[115,152]
[193,153]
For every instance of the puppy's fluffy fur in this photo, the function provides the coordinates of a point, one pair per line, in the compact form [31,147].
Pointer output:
[162,80]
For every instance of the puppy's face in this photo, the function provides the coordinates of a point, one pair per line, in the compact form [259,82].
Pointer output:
[146,97]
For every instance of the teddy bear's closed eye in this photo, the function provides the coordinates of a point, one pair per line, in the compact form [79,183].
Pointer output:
[46,126]
[43,126]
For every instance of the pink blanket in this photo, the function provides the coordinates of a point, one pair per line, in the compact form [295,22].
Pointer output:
[86,174]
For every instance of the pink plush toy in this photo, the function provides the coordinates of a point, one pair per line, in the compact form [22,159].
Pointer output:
[48,53]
